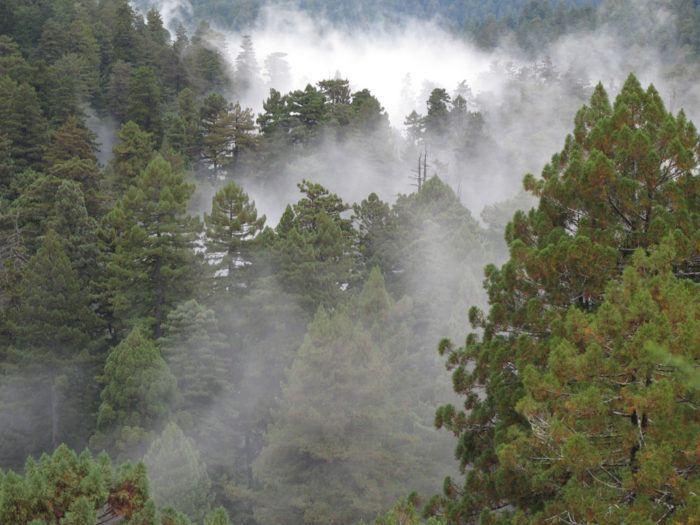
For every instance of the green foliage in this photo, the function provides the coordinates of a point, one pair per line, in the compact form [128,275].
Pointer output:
[48,369]
[178,478]
[230,229]
[194,350]
[73,490]
[151,262]
[612,415]
[22,122]
[131,155]
[144,102]
[71,156]
[227,132]
[625,180]
[314,248]
[339,448]
[137,396]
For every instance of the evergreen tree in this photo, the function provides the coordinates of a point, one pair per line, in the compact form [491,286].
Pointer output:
[22,122]
[132,153]
[12,63]
[247,69]
[71,156]
[339,449]
[194,350]
[151,261]
[615,410]
[124,37]
[315,255]
[137,397]
[76,231]
[144,102]
[233,223]
[117,89]
[68,84]
[436,121]
[178,477]
[69,489]
[54,328]
[625,180]
[227,131]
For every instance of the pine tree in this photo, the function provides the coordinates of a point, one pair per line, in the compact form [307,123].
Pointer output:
[23,123]
[54,327]
[73,490]
[625,180]
[71,156]
[132,153]
[117,89]
[144,102]
[76,231]
[315,255]
[339,448]
[151,260]
[124,39]
[137,397]
[233,223]
[614,413]
[247,69]
[194,349]
[178,477]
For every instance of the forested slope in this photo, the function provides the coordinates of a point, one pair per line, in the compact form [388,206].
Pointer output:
[241,14]
[238,369]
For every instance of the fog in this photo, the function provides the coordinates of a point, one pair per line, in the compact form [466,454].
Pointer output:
[528,106]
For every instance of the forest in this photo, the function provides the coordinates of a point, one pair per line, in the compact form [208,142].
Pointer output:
[234,294]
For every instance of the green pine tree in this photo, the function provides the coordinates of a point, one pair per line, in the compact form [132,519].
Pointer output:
[150,238]
[178,477]
[137,398]
[624,180]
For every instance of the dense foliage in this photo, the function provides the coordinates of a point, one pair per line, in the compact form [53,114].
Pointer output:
[626,182]
[241,14]
[286,373]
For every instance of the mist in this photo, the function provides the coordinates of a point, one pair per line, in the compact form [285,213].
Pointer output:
[528,103]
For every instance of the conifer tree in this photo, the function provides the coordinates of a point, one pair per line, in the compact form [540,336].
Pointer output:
[177,476]
[614,413]
[340,448]
[144,102]
[64,488]
[151,262]
[132,153]
[315,255]
[194,349]
[233,223]
[137,397]
[71,156]
[626,179]
[53,330]
[76,231]
[23,123]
